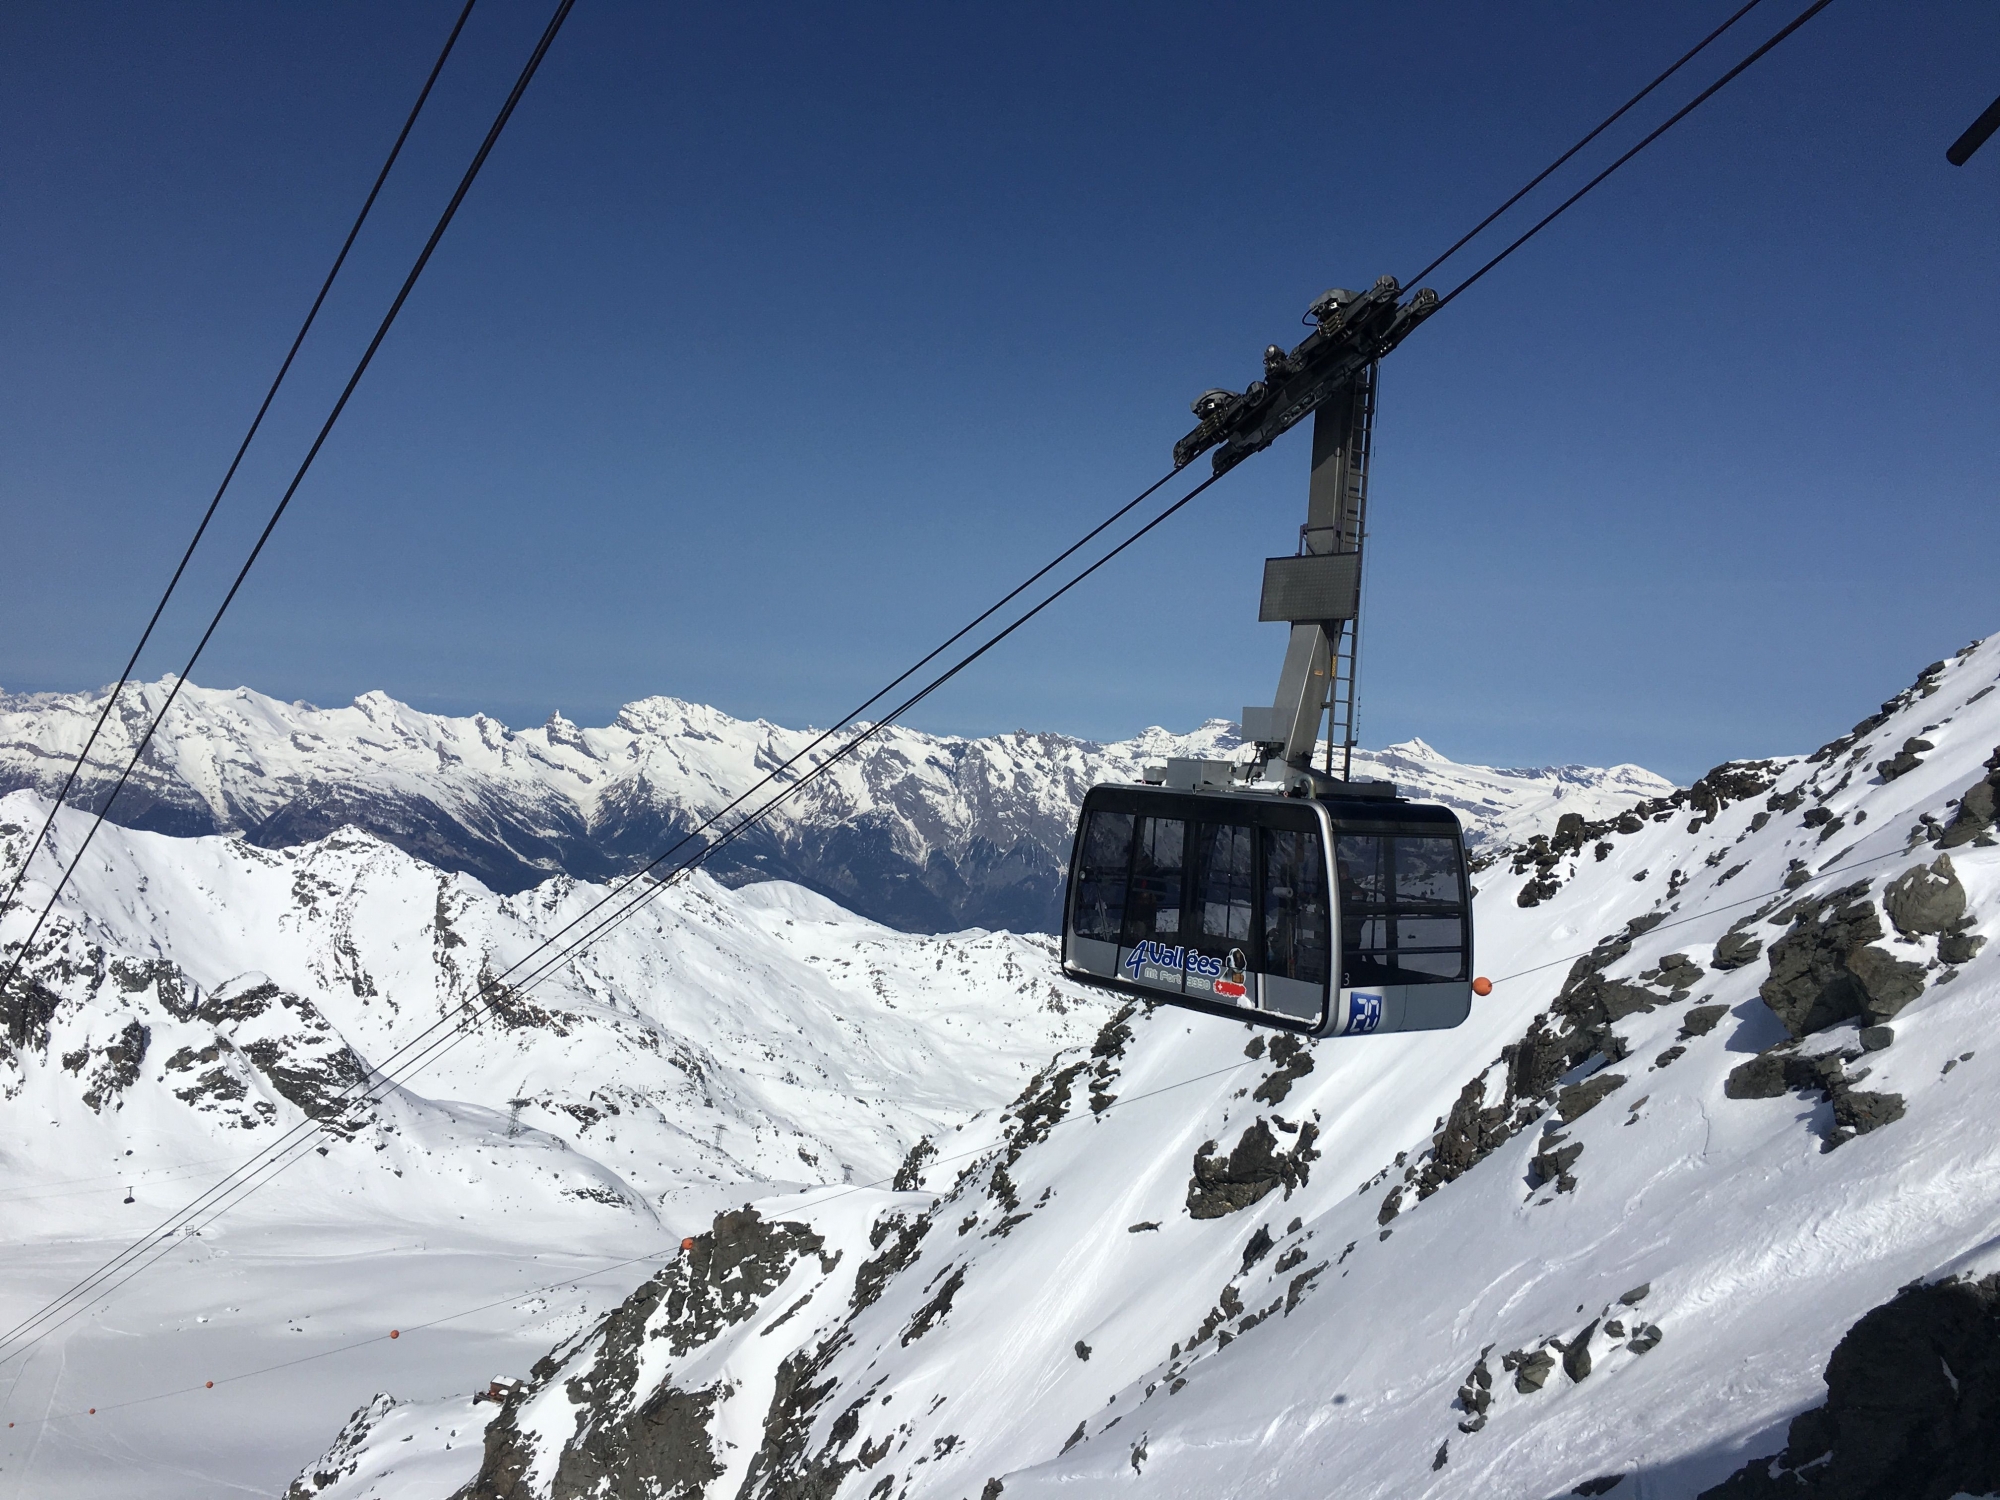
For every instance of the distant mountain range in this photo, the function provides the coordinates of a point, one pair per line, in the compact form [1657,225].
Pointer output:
[923,832]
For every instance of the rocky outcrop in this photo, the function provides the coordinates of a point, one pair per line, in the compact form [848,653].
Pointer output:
[1781,1070]
[1254,1168]
[631,1443]
[1912,1407]
[1973,821]
[1826,969]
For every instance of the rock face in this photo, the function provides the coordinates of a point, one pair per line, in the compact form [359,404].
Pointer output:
[1826,969]
[1912,1407]
[632,1442]
[1924,901]
[923,832]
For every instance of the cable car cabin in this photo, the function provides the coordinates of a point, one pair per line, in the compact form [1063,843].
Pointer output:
[1224,902]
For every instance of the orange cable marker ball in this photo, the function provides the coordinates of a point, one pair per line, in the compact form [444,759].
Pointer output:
[211,1385]
[1482,986]
[93,1411]
[687,1244]
[395,1333]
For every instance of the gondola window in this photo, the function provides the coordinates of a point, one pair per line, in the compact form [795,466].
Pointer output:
[1295,907]
[1402,909]
[1100,885]
[1153,899]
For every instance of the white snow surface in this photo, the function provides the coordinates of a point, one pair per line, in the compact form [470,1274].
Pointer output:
[515,805]
[1054,1220]
[1063,1331]
[716,1046]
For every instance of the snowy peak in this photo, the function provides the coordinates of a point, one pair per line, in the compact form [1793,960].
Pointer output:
[1729,1094]
[924,832]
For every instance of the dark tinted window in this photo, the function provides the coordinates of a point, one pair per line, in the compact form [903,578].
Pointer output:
[1224,875]
[1296,917]
[1402,908]
[1153,900]
[1100,876]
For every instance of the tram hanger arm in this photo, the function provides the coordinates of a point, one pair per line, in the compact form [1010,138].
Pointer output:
[1354,331]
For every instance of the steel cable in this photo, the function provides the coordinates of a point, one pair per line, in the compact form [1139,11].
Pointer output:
[1603,125]
[409,283]
[547,967]
[256,422]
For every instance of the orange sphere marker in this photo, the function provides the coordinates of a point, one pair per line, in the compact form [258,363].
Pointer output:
[687,1244]
[1482,986]
[93,1411]
[211,1385]
[395,1333]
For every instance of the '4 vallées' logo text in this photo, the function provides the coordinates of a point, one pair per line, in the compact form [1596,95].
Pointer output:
[1225,974]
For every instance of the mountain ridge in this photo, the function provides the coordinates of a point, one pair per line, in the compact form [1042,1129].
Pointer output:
[923,832]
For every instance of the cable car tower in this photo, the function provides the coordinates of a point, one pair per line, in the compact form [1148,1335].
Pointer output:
[1317,591]
[1274,892]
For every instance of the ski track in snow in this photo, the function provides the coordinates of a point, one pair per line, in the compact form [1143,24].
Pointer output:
[1336,1374]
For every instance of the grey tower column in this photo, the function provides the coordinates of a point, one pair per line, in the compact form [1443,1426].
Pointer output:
[1319,591]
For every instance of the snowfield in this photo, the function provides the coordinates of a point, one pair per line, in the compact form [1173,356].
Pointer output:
[1731,1091]
[923,832]
[198,997]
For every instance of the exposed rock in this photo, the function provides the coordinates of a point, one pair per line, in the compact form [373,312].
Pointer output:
[1904,760]
[1875,1038]
[1912,1409]
[119,1069]
[1862,1112]
[1959,947]
[1580,1098]
[1701,1020]
[1576,1358]
[342,1460]
[1679,972]
[1737,949]
[1552,1164]
[1255,1167]
[1824,971]
[1294,1061]
[631,1443]
[907,1234]
[933,1312]
[1259,1246]
[1925,900]
[1534,1370]
[1976,806]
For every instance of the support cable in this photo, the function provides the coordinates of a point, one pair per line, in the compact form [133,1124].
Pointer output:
[312,313]
[423,259]
[409,283]
[428,1045]
[603,927]
[1672,120]
[1603,125]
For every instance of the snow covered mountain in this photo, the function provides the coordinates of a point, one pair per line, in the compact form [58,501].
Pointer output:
[1734,1087]
[195,999]
[922,832]
[971,1233]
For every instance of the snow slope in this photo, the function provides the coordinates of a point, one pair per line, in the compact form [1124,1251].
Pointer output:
[195,998]
[926,833]
[1734,1086]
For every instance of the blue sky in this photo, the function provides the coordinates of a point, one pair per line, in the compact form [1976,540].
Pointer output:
[777,340]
